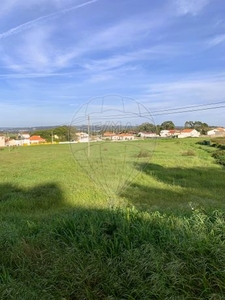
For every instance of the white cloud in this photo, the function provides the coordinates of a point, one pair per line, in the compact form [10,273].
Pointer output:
[198,89]
[9,6]
[38,53]
[193,7]
[219,39]
[41,20]
[135,57]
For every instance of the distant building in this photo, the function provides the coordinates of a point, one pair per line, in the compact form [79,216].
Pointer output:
[2,141]
[23,136]
[82,137]
[164,133]
[13,142]
[125,137]
[220,131]
[189,133]
[170,133]
[118,136]
[36,139]
[146,135]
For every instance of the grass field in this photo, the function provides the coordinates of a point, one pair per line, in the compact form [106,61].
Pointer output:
[64,236]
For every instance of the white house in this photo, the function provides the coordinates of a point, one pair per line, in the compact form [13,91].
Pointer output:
[124,137]
[169,133]
[118,136]
[164,133]
[12,143]
[82,137]
[146,135]
[23,136]
[220,131]
[24,142]
[36,139]
[188,133]
[2,141]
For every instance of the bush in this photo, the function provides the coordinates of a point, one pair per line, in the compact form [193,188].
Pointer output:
[143,153]
[188,153]
[205,142]
[219,156]
[218,141]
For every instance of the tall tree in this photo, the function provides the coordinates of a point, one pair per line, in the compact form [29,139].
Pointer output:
[167,125]
[198,125]
[189,124]
[147,127]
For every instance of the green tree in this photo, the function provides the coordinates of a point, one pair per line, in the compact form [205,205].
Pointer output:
[65,133]
[167,125]
[44,133]
[189,124]
[147,127]
[198,125]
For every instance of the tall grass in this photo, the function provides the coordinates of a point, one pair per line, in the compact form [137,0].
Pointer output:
[60,240]
[122,254]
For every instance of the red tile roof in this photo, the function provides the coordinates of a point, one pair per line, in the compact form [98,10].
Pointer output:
[125,134]
[36,138]
[220,129]
[109,134]
[174,131]
[187,130]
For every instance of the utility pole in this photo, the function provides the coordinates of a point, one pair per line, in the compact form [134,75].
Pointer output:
[89,136]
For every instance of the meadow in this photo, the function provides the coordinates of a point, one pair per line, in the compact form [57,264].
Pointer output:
[144,221]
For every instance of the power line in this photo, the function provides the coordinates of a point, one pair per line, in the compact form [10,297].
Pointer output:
[172,111]
[184,111]
[191,106]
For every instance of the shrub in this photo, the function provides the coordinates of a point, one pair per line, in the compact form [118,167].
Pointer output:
[143,153]
[188,153]
[218,141]
[219,156]
[205,142]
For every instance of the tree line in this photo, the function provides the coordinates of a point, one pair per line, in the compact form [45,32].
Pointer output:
[59,134]
[202,127]
[67,133]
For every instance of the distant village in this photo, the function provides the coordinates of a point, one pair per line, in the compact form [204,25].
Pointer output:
[25,139]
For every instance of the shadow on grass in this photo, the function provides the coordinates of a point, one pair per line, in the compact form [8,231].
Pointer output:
[106,254]
[199,177]
[178,187]
[44,196]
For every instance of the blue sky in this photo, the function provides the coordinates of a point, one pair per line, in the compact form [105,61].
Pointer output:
[56,55]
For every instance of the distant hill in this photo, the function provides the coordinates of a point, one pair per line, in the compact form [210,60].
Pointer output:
[25,129]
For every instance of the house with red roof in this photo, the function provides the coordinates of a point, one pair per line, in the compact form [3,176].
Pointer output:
[118,136]
[219,131]
[170,133]
[36,139]
[188,133]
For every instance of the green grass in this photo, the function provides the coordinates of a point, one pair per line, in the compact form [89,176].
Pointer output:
[162,238]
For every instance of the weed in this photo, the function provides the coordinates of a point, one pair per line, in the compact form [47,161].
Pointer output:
[188,153]
[143,153]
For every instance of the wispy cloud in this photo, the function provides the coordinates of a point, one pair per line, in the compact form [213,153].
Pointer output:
[134,58]
[199,88]
[9,6]
[192,7]
[37,52]
[148,50]
[217,40]
[41,20]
